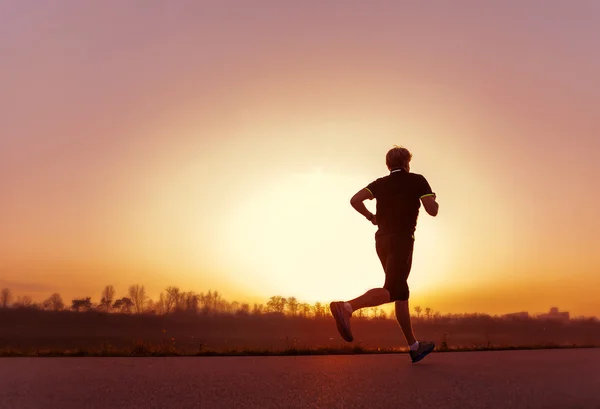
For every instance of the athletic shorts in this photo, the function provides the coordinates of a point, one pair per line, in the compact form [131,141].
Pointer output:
[395,252]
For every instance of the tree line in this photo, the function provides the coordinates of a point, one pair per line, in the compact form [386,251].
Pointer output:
[174,300]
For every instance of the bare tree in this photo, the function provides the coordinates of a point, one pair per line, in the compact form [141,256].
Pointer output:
[137,294]
[189,301]
[418,310]
[104,305]
[54,302]
[107,298]
[6,297]
[24,302]
[428,312]
[171,299]
[319,309]
[276,304]
[305,309]
[215,300]
[258,309]
[211,302]
[293,305]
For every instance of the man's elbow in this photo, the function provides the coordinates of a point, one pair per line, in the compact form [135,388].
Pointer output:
[432,210]
[356,200]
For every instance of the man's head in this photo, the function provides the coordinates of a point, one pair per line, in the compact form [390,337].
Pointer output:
[398,158]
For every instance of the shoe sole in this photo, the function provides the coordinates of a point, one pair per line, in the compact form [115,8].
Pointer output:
[335,309]
[423,354]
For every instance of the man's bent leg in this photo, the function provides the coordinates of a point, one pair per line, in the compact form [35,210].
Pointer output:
[403,317]
[372,298]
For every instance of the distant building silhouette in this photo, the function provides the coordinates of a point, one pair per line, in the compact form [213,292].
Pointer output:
[516,315]
[555,314]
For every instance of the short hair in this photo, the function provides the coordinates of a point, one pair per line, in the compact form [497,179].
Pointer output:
[398,157]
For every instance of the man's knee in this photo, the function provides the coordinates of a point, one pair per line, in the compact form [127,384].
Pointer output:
[399,293]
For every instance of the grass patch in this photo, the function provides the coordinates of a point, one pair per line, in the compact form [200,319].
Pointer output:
[141,349]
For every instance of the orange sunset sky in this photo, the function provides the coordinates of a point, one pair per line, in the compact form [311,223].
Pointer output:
[216,145]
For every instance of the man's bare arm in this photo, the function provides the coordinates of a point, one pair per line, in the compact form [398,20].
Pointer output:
[431,206]
[357,203]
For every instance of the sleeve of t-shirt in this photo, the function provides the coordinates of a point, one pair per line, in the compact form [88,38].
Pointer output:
[423,188]
[374,187]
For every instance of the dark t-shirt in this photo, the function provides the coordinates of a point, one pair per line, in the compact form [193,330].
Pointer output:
[398,198]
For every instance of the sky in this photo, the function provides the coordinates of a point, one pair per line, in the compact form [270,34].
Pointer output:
[216,145]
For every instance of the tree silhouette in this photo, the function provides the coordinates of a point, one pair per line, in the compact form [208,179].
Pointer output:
[305,309]
[104,305]
[293,305]
[374,311]
[258,309]
[234,307]
[128,304]
[24,302]
[244,309]
[123,305]
[171,299]
[118,305]
[319,309]
[81,304]
[418,310]
[276,304]
[211,302]
[189,301]
[150,307]
[54,303]
[5,297]
[137,294]
[107,298]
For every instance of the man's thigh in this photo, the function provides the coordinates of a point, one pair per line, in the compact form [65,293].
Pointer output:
[397,266]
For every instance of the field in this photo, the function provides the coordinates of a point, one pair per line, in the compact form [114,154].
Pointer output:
[34,332]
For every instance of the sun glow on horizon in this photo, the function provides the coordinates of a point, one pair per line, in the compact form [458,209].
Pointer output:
[300,236]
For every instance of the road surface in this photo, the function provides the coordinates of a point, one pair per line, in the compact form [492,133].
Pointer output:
[548,379]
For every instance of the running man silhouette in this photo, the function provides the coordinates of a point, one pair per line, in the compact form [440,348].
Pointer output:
[399,196]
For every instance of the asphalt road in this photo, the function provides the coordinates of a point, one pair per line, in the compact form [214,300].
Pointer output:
[549,379]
